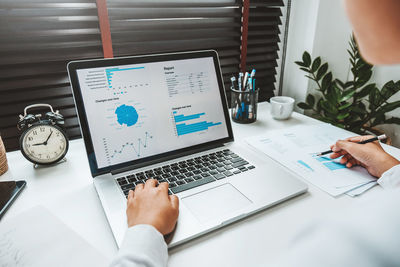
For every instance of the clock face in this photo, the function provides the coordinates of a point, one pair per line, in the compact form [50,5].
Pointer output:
[44,144]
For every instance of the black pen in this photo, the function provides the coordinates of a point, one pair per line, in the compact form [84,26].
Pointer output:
[376,138]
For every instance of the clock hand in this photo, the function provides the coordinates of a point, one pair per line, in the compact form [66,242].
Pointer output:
[45,142]
[38,144]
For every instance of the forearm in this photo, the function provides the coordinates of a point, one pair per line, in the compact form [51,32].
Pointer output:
[376,26]
[143,246]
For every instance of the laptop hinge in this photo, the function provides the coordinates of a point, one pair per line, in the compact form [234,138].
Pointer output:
[151,162]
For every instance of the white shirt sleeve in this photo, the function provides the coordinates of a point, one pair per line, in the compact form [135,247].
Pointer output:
[391,178]
[143,246]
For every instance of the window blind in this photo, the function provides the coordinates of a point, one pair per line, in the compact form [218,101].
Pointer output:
[38,38]
[262,48]
[144,27]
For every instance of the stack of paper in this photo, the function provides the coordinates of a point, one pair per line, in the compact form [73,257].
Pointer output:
[296,148]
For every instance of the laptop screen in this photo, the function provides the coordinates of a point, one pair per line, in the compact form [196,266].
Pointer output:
[136,111]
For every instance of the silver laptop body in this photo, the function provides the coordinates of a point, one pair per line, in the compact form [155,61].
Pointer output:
[165,116]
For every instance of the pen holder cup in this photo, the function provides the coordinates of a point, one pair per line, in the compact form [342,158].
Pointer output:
[3,158]
[244,106]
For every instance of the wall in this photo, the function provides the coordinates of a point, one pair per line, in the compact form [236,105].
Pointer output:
[321,27]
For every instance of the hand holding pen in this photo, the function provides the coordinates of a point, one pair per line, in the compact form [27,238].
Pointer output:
[366,154]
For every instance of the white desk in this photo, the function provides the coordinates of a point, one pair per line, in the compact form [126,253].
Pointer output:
[68,192]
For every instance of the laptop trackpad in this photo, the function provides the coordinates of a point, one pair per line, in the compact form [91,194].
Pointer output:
[216,202]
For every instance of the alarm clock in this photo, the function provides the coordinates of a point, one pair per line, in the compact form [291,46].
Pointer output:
[43,140]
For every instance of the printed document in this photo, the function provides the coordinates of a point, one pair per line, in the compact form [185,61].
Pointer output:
[297,148]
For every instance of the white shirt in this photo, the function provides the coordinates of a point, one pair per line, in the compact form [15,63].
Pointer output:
[367,239]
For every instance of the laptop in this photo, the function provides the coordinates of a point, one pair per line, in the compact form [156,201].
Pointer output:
[165,116]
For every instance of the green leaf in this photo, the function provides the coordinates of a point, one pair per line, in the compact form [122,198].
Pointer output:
[310,100]
[389,89]
[319,108]
[372,98]
[392,120]
[306,70]
[326,82]
[348,84]
[390,106]
[321,71]
[329,107]
[346,105]
[316,64]
[301,63]
[358,110]
[336,93]
[306,59]
[303,105]
[363,77]
[379,119]
[347,95]
[342,116]
[365,91]
[325,119]
[350,53]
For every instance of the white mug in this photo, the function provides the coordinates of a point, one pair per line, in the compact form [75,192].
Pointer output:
[281,107]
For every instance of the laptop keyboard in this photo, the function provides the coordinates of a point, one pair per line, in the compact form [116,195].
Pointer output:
[187,174]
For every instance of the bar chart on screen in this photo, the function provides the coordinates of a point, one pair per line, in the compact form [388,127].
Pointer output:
[191,123]
[121,80]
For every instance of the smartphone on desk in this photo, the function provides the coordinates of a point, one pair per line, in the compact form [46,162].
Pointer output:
[9,190]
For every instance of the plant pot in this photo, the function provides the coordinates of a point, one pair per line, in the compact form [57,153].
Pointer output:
[376,131]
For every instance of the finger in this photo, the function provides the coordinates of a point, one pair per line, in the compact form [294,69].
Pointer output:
[346,158]
[164,187]
[349,165]
[353,162]
[150,183]
[139,188]
[359,138]
[338,154]
[174,201]
[344,145]
[130,195]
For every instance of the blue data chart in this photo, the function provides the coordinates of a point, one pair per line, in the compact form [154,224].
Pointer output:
[136,147]
[126,115]
[119,80]
[332,165]
[187,128]
[329,163]
[110,73]
[323,159]
[302,163]
[180,118]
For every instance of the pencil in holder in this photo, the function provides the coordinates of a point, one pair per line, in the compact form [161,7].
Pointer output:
[3,158]
[244,105]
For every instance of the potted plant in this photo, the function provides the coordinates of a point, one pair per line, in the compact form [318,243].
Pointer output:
[355,105]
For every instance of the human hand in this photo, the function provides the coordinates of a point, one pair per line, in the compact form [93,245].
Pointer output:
[152,205]
[370,155]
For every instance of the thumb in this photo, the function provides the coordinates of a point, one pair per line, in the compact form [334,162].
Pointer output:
[174,201]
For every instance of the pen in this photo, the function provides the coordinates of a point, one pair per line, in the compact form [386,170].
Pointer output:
[253,73]
[250,83]
[240,80]
[233,79]
[245,80]
[376,138]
